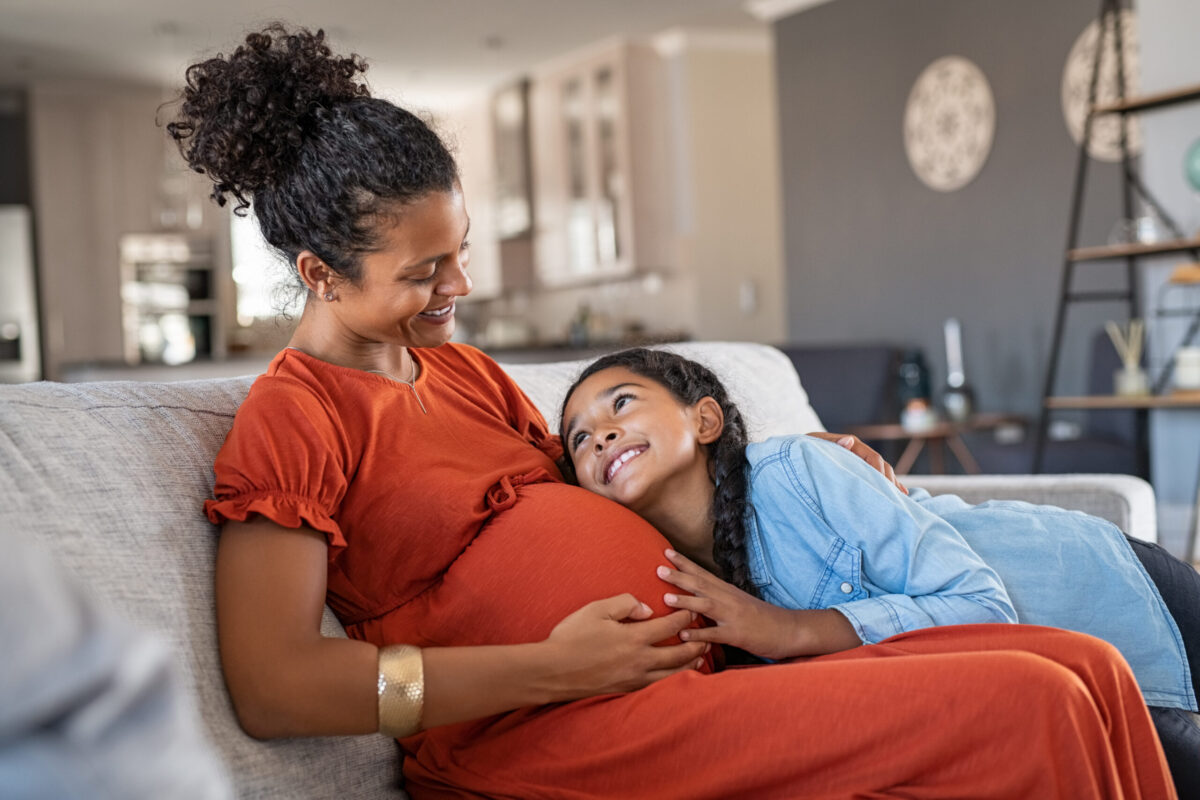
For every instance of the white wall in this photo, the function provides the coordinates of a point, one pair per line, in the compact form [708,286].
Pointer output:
[468,133]
[1169,31]
[725,136]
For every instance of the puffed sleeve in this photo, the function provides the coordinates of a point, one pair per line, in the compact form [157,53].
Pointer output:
[920,570]
[285,458]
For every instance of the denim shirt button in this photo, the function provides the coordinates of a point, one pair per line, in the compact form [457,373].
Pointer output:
[846,588]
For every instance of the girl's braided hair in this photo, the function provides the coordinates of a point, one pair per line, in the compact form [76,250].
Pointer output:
[689,382]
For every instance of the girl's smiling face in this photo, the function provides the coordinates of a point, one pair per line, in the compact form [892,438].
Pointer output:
[631,440]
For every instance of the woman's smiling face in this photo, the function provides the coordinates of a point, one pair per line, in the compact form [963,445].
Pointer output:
[407,289]
[628,437]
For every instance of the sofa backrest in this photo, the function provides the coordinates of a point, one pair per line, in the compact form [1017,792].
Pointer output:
[759,378]
[111,476]
[848,385]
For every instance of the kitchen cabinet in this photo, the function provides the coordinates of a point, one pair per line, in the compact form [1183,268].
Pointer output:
[600,166]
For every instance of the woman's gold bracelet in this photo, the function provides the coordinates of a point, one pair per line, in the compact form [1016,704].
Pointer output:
[401,690]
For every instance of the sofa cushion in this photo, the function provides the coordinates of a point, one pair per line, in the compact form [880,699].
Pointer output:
[759,378]
[112,476]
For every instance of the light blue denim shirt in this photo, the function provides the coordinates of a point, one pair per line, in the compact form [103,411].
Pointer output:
[825,530]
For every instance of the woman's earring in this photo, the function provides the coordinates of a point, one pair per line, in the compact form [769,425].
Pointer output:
[329,297]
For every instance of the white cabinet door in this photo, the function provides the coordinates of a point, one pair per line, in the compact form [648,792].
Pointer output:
[588,209]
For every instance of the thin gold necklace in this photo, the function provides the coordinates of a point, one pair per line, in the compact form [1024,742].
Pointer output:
[411,383]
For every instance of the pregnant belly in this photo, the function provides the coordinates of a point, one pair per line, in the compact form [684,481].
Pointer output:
[557,548]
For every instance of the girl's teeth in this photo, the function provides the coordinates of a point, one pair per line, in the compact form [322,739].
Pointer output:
[622,459]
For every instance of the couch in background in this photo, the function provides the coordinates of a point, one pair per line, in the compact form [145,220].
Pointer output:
[848,385]
[112,476]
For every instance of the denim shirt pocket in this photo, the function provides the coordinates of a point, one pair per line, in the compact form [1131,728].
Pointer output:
[841,579]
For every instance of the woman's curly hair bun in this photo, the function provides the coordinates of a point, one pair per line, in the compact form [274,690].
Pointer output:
[244,118]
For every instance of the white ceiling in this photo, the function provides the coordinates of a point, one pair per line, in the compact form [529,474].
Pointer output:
[429,53]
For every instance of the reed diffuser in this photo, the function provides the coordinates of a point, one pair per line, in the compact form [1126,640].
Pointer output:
[1130,379]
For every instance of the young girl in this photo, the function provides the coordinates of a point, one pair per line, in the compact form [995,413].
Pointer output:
[841,558]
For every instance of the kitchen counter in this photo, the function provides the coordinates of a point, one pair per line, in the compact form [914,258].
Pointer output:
[256,364]
[193,370]
[564,351]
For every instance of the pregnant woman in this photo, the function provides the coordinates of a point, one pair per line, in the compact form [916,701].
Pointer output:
[495,613]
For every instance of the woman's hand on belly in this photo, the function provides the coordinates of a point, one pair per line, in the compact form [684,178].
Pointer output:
[606,646]
[609,646]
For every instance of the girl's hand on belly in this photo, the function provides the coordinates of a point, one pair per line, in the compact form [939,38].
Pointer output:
[745,621]
[609,646]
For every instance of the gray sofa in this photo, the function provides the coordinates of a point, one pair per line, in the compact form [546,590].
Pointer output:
[111,476]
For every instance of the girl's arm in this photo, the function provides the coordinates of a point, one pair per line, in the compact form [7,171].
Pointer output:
[286,679]
[900,566]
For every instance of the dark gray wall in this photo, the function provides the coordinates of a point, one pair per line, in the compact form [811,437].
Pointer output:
[872,253]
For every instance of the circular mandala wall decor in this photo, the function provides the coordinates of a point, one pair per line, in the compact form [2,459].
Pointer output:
[1105,141]
[949,123]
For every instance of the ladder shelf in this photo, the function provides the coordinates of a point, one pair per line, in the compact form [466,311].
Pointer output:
[1150,102]
[1129,252]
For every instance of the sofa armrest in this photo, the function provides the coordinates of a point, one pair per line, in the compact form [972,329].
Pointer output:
[1125,500]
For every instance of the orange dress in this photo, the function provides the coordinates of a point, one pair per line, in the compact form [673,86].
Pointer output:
[453,527]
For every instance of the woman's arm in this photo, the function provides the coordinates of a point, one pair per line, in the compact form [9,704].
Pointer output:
[286,679]
[867,454]
[914,569]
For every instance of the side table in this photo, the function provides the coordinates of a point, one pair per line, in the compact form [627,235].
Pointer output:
[938,436]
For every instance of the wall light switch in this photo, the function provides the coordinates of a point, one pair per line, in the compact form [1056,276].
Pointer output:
[748,296]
